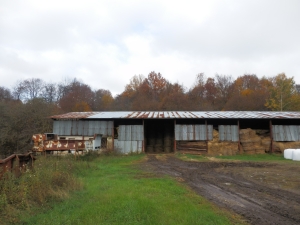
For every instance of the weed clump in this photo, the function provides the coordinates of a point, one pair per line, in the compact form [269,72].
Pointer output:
[51,179]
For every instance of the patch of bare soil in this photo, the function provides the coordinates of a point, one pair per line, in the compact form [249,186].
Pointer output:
[263,193]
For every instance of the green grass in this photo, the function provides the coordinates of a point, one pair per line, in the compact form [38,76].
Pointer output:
[241,157]
[255,157]
[116,191]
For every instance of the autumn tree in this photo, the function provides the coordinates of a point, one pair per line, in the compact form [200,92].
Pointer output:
[224,85]
[283,94]
[174,98]
[103,100]
[248,93]
[77,96]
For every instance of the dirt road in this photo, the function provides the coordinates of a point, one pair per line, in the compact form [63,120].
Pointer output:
[263,193]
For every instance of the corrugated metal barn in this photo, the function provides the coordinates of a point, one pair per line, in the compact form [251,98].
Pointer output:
[157,132]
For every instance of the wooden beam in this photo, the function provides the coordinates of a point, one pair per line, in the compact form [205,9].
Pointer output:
[271,137]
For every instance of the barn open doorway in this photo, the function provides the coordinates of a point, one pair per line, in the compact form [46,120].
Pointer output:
[159,136]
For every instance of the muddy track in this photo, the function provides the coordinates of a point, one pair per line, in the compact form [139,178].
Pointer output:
[224,184]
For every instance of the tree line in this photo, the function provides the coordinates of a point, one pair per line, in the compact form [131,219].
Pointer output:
[25,108]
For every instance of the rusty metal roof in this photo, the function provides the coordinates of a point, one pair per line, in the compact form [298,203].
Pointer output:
[180,115]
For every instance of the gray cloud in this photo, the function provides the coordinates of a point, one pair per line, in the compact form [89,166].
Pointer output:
[105,43]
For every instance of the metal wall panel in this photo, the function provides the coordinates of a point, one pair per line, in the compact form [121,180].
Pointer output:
[103,127]
[228,133]
[193,132]
[121,133]
[110,127]
[85,128]
[128,133]
[210,130]
[286,132]
[221,132]
[234,133]
[178,133]
[131,133]
[82,127]
[202,135]
[126,147]
[56,126]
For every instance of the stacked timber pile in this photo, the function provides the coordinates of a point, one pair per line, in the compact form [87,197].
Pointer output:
[217,147]
[251,143]
[196,147]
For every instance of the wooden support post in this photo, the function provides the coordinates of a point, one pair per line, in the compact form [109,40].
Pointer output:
[271,137]
[113,136]
[174,136]
[206,136]
[239,141]
[143,143]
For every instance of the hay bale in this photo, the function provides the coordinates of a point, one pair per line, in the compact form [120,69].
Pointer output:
[168,141]
[149,148]
[215,134]
[244,134]
[167,149]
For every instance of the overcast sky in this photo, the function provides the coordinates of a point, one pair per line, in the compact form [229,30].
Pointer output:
[105,43]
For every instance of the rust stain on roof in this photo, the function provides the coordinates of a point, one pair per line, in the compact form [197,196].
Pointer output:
[178,115]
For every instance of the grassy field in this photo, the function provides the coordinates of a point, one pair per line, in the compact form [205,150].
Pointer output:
[116,191]
[241,157]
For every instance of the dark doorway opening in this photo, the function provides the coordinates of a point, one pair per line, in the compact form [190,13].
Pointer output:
[159,136]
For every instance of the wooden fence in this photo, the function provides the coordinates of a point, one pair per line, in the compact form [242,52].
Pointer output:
[16,163]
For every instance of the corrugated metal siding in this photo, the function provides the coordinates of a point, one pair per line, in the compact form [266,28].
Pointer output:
[81,127]
[286,132]
[228,133]
[193,132]
[131,133]
[128,146]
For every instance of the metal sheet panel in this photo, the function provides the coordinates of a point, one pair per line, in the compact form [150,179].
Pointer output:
[228,133]
[97,125]
[74,127]
[181,114]
[140,133]
[56,126]
[134,146]
[221,132]
[190,132]
[80,127]
[121,133]
[210,130]
[110,127]
[103,128]
[234,133]
[202,133]
[128,133]
[178,133]
[286,132]
[140,146]
[85,128]
[91,130]
[127,147]
[184,132]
